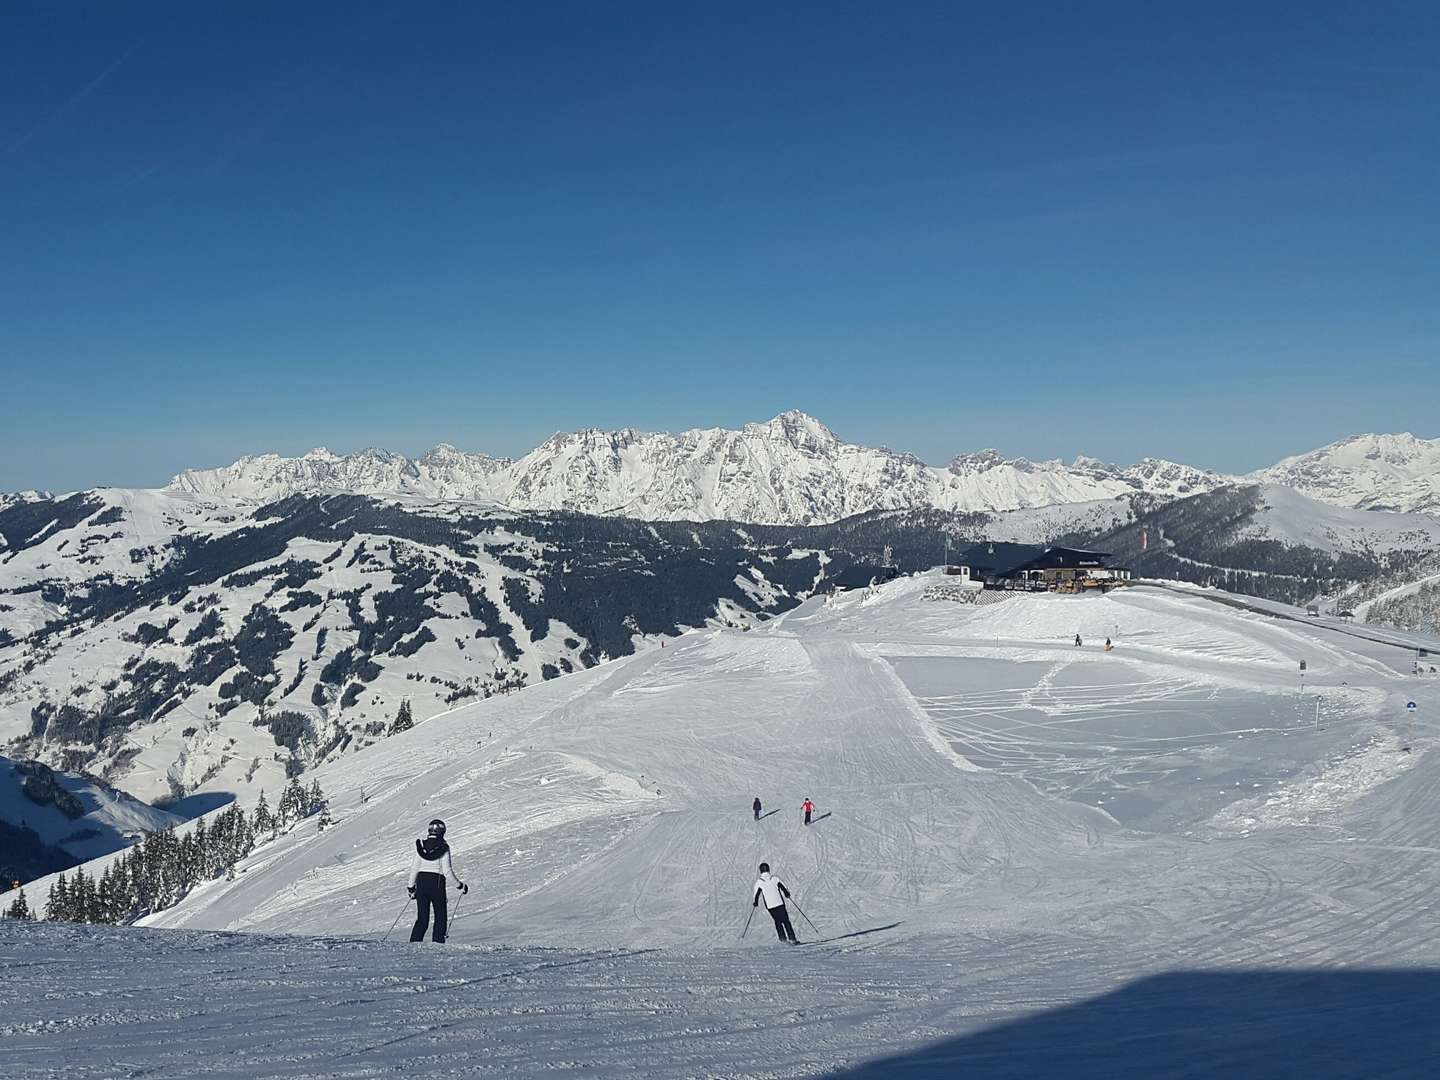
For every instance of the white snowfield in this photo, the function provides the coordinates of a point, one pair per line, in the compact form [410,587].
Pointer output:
[1029,858]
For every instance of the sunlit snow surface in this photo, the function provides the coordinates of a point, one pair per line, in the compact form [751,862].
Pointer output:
[1029,859]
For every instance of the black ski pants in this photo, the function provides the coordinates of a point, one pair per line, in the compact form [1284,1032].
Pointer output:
[429,891]
[782,922]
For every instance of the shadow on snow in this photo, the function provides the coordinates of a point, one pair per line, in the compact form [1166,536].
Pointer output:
[1252,1024]
[853,934]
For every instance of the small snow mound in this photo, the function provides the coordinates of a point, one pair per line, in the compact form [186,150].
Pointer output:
[1317,799]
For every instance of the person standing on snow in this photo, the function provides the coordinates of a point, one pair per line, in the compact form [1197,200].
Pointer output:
[809,808]
[773,891]
[1077,640]
[428,871]
[756,807]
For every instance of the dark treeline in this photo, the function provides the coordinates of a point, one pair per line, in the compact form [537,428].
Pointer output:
[157,873]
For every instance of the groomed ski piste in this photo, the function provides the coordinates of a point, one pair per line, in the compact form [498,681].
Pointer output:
[1029,858]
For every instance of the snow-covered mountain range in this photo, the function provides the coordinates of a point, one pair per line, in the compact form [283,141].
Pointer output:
[1367,472]
[794,470]
[790,470]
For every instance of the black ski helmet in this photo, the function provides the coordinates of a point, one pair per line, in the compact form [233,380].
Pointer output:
[764,868]
[437,828]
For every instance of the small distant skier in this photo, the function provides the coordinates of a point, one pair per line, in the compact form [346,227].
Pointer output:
[773,891]
[756,807]
[809,808]
[428,871]
[1078,642]
[1108,645]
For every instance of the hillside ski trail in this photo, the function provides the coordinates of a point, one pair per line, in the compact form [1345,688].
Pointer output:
[607,815]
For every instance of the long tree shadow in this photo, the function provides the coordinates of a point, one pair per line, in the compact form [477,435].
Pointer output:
[852,934]
[1252,1024]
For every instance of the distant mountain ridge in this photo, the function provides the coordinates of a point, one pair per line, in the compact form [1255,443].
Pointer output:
[1366,472]
[790,470]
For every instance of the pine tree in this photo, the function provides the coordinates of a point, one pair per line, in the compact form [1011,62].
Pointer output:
[57,909]
[262,821]
[20,909]
[314,799]
[292,803]
[403,721]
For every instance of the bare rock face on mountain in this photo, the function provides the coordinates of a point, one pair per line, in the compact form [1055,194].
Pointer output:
[791,470]
[1367,472]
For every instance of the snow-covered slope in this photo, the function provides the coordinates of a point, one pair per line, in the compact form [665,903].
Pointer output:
[1368,472]
[788,470]
[1083,843]
[80,815]
[952,751]
[1289,516]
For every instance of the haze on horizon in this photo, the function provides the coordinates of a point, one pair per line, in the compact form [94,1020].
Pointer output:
[1206,236]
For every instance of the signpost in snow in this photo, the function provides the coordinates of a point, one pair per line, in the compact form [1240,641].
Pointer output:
[1317,712]
[1302,676]
[1410,708]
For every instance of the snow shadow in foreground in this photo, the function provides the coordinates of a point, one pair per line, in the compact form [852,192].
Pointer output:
[1252,1024]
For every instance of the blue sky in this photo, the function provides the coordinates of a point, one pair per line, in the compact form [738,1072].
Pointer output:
[1104,228]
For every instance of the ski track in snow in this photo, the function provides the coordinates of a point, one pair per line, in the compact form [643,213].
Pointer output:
[1009,829]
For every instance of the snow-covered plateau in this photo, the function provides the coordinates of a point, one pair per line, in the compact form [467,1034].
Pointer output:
[1030,857]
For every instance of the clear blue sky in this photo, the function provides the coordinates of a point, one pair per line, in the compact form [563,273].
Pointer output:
[1210,235]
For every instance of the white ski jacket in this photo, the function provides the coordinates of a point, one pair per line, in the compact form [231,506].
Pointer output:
[772,889]
[442,866]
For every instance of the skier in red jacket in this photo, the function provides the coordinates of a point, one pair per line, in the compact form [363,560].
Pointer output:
[809,808]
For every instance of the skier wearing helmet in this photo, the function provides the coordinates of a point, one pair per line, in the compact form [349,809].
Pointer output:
[773,891]
[428,871]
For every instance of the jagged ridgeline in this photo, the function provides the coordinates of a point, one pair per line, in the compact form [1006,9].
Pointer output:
[169,643]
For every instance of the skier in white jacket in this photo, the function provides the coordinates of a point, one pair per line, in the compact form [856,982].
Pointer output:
[773,891]
[428,871]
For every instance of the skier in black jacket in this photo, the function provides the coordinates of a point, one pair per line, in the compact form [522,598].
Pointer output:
[428,871]
[756,807]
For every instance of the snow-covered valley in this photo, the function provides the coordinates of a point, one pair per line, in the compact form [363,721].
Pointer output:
[1029,858]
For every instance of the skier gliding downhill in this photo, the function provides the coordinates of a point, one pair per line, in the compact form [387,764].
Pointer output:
[428,871]
[774,892]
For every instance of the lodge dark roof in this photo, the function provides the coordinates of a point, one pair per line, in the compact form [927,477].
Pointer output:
[999,560]
[1063,558]
[992,560]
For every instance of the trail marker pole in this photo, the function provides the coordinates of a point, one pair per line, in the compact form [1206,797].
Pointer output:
[1302,676]
[1410,708]
[1317,712]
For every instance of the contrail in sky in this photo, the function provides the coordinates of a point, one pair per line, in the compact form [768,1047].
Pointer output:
[79,96]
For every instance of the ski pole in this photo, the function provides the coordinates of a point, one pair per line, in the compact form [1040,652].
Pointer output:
[454,915]
[396,922]
[803,915]
[747,921]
